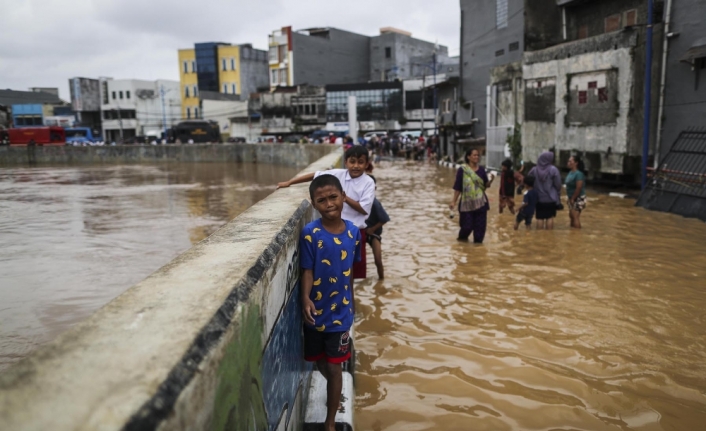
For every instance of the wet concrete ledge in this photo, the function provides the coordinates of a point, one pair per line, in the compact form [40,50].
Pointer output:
[276,154]
[209,341]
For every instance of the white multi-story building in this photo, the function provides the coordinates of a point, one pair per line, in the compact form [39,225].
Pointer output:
[132,107]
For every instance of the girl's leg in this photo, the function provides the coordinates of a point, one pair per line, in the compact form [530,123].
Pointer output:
[377,254]
[511,204]
[480,220]
[502,204]
[577,220]
[550,223]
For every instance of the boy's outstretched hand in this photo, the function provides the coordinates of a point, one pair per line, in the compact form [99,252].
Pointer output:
[283,185]
[309,310]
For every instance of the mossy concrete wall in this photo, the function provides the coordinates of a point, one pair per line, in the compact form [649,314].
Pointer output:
[211,341]
[277,154]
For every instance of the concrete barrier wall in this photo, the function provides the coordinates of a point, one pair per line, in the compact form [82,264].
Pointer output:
[211,341]
[278,154]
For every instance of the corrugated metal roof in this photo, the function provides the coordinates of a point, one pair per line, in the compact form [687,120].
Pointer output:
[13,97]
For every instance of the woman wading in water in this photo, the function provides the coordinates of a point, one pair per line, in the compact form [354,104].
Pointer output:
[576,190]
[548,186]
[471,183]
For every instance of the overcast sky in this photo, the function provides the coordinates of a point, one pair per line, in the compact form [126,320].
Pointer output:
[43,43]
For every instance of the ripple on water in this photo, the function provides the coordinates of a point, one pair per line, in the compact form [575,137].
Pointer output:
[600,329]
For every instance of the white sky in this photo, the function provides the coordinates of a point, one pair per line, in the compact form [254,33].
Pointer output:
[43,43]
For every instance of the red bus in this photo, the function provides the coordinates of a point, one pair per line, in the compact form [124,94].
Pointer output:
[52,135]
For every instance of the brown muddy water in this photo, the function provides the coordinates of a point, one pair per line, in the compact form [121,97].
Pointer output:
[73,238]
[599,329]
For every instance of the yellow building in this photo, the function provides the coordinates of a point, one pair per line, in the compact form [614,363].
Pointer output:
[189,87]
[219,71]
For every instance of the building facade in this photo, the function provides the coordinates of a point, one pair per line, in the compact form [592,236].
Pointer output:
[380,105]
[86,102]
[237,70]
[28,108]
[395,54]
[133,108]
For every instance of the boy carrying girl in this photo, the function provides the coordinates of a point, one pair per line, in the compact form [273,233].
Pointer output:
[329,248]
[359,191]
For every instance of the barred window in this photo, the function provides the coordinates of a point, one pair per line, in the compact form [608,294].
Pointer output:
[501,13]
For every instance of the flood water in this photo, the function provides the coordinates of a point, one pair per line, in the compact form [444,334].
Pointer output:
[73,238]
[599,329]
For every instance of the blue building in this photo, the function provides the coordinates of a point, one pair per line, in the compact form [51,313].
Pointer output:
[27,115]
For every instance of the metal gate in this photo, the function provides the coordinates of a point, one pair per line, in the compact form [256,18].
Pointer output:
[678,185]
[496,143]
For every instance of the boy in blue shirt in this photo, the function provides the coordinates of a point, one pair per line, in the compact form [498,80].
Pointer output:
[329,247]
[529,204]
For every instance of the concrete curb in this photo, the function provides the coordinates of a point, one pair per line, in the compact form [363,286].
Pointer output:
[316,409]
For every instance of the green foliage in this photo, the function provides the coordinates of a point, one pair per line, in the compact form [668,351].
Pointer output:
[514,141]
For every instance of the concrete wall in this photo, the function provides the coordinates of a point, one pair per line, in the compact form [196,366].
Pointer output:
[480,41]
[407,55]
[685,101]
[340,58]
[277,154]
[561,63]
[211,341]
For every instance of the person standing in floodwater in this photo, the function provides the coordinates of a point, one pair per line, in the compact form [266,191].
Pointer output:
[548,185]
[576,190]
[471,183]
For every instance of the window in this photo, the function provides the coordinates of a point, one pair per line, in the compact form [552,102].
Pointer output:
[630,18]
[196,112]
[602,95]
[223,64]
[113,95]
[583,31]
[234,88]
[186,67]
[388,52]
[499,52]
[196,91]
[514,46]
[188,112]
[121,95]
[612,23]
[193,66]
[283,77]
[593,85]
[232,63]
[501,13]
[225,88]
[186,91]
[282,53]
[274,77]
[313,109]
[583,97]
[273,54]
[127,94]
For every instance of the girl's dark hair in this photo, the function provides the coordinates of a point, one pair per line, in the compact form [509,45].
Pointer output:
[322,181]
[356,151]
[579,163]
[507,163]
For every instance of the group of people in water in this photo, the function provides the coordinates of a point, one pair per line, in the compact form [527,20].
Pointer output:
[542,187]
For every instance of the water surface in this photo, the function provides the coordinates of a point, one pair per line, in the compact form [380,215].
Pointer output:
[599,329]
[73,238]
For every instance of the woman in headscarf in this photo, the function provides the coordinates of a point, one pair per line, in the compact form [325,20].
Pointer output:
[471,183]
[548,185]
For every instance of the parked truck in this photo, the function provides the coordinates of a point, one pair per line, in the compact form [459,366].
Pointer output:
[23,136]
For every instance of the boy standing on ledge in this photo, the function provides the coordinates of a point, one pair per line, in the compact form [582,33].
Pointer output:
[329,247]
[359,191]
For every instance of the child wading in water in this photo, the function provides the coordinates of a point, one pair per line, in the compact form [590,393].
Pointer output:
[529,204]
[378,218]
[359,191]
[329,247]
[507,187]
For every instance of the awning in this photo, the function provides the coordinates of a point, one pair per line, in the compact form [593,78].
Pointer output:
[697,50]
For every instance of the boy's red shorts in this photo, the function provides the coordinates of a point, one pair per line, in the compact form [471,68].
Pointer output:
[359,268]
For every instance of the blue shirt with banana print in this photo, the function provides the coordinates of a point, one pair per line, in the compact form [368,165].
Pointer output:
[331,258]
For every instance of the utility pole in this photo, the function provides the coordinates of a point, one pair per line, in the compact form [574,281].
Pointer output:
[436,126]
[164,114]
[648,94]
[120,122]
[424,84]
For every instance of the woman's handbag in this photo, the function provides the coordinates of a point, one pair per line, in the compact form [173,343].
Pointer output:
[559,206]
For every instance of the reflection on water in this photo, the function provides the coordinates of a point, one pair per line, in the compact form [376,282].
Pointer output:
[600,329]
[75,238]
